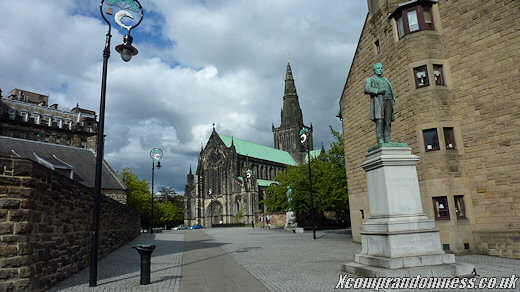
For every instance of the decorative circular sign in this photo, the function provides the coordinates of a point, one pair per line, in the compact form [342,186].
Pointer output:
[210,191]
[303,135]
[156,154]
[124,11]
[249,173]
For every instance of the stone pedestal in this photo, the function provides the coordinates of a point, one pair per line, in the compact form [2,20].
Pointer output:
[398,239]
[290,219]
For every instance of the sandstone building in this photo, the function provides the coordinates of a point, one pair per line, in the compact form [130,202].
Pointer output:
[232,173]
[27,115]
[452,66]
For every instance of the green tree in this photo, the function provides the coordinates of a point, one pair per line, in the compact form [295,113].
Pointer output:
[329,184]
[171,207]
[239,216]
[138,195]
[167,211]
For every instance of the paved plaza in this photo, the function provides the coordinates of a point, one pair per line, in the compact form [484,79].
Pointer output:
[244,259]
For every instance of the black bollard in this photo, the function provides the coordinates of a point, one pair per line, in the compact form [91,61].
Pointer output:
[145,250]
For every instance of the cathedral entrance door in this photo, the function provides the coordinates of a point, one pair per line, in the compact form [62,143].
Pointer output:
[215,212]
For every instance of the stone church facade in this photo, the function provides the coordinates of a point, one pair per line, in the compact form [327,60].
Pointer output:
[457,106]
[232,173]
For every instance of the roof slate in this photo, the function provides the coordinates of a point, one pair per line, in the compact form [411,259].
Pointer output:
[82,161]
[250,149]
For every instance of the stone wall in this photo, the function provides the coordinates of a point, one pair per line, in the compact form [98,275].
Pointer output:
[502,243]
[476,43]
[45,226]
[276,220]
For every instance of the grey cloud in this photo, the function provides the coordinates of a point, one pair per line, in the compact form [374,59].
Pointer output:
[198,63]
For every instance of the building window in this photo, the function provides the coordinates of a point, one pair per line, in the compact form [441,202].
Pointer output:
[46,138]
[58,140]
[431,140]
[59,122]
[25,116]
[12,113]
[421,76]
[47,119]
[437,74]
[449,138]
[83,143]
[69,123]
[440,208]
[413,22]
[36,117]
[414,19]
[377,47]
[67,141]
[460,209]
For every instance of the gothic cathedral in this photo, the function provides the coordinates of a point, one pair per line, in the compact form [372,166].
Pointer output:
[232,174]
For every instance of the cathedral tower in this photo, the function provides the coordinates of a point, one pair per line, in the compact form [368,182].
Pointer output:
[287,136]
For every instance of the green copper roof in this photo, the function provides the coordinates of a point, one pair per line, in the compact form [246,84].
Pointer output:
[250,149]
[266,183]
[314,154]
[262,182]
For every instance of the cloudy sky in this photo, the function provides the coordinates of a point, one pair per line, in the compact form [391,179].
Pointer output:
[199,62]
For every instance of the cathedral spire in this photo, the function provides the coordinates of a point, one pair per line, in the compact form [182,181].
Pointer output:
[291,111]
[290,89]
[191,173]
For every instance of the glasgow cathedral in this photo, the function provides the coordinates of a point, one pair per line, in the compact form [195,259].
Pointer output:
[232,173]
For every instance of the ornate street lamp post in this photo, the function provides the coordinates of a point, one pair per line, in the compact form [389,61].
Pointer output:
[126,9]
[155,154]
[304,136]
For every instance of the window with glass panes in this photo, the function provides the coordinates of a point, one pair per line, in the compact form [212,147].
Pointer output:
[438,75]
[440,208]
[431,140]
[460,209]
[449,138]
[415,18]
[421,76]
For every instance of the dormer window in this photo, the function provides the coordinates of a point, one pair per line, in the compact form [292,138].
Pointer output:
[47,120]
[413,16]
[69,123]
[36,117]
[59,122]
[25,116]
[12,113]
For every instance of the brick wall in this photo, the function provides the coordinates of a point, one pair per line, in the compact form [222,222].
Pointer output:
[477,42]
[45,226]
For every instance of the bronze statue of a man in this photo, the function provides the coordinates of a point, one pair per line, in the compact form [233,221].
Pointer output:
[382,99]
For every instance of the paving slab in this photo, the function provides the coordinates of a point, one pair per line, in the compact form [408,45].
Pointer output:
[207,267]
[246,259]
[286,261]
[120,270]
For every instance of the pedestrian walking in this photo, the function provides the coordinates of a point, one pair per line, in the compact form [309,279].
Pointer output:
[253,223]
[268,221]
[262,221]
